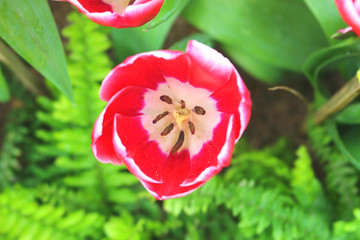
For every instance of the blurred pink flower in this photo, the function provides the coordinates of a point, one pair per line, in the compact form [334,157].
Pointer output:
[172,118]
[350,12]
[119,13]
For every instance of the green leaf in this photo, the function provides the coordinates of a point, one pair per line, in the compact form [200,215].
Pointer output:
[327,15]
[4,91]
[258,68]
[345,52]
[347,140]
[169,8]
[279,33]
[29,28]
[130,41]
[350,115]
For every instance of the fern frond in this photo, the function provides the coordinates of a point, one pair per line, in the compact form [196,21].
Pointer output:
[341,178]
[23,218]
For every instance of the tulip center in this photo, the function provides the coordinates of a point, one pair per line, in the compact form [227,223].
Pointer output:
[119,6]
[179,116]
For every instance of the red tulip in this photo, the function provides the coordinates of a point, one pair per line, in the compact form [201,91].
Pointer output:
[119,13]
[172,118]
[350,12]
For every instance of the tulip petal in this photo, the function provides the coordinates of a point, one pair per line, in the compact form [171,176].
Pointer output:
[140,13]
[228,96]
[127,102]
[142,157]
[174,172]
[173,64]
[141,73]
[350,12]
[215,154]
[135,15]
[209,69]
[102,142]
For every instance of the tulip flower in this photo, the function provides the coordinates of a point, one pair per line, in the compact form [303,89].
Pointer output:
[172,118]
[119,13]
[350,12]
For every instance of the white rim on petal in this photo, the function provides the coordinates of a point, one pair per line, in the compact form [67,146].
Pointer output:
[209,172]
[121,150]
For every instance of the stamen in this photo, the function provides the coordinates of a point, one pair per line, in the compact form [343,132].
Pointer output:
[166,99]
[199,110]
[179,142]
[160,116]
[192,127]
[131,2]
[167,130]
[182,102]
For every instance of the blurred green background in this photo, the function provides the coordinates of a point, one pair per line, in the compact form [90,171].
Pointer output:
[282,184]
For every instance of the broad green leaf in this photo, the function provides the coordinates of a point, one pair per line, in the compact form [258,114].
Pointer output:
[347,140]
[4,91]
[29,28]
[169,8]
[279,33]
[200,37]
[345,52]
[350,115]
[328,16]
[130,41]
[256,67]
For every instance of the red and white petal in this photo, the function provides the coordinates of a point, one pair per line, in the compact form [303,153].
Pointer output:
[135,15]
[215,154]
[175,64]
[140,73]
[234,98]
[129,102]
[102,142]
[350,12]
[139,13]
[209,69]
[175,171]
[245,105]
[228,96]
[142,157]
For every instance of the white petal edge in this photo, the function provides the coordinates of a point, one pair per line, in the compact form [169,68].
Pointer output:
[97,132]
[244,108]
[164,54]
[210,59]
[154,194]
[207,174]
[129,162]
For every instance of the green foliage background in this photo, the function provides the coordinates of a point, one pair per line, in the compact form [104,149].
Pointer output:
[53,188]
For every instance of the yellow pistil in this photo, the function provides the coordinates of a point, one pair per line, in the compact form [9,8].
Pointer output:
[181,115]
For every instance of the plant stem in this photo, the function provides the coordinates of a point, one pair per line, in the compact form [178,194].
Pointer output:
[293,92]
[27,77]
[341,99]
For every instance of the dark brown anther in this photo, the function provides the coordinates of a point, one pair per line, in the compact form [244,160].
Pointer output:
[199,110]
[166,99]
[191,127]
[182,102]
[167,130]
[179,142]
[159,117]
[131,2]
